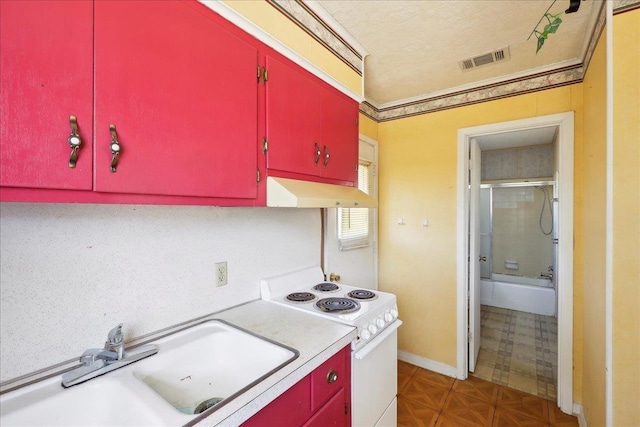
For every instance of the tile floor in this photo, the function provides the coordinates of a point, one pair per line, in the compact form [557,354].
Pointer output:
[519,350]
[428,399]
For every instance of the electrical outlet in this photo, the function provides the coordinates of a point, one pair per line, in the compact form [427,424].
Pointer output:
[221,273]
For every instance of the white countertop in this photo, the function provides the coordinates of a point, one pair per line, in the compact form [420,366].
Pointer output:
[316,339]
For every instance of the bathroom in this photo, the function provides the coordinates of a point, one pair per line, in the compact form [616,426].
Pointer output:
[518,282]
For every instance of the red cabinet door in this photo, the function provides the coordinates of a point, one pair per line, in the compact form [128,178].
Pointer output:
[182,94]
[292,408]
[334,413]
[293,119]
[339,136]
[46,71]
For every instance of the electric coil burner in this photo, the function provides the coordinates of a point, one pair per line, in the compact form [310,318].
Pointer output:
[362,294]
[301,297]
[338,305]
[326,287]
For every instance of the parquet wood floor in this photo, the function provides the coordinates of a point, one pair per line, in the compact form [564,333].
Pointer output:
[429,399]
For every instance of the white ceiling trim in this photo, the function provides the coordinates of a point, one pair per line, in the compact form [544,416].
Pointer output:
[336,27]
[316,22]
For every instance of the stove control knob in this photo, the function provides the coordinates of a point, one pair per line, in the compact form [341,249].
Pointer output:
[365,334]
[380,322]
[372,328]
[388,317]
[394,312]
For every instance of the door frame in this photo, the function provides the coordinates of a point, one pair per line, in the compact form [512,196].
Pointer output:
[565,150]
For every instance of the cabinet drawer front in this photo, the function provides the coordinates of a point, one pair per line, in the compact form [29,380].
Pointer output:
[329,377]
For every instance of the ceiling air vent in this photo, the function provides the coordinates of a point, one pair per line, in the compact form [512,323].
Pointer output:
[485,59]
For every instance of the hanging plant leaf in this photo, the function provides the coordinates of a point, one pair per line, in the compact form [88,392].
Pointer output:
[552,26]
[540,42]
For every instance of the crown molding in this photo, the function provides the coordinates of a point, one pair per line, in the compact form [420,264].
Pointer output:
[620,6]
[319,24]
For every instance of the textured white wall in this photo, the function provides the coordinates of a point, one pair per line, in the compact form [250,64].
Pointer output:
[68,273]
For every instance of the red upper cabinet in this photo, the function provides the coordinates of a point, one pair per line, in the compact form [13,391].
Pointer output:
[339,136]
[312,128]
[181,92]
[46,68]
[293,119]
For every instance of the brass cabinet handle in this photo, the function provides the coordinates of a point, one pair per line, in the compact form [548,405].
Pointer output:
[326,156]
[317,153]
[115,147]
[332,377]
[74,141]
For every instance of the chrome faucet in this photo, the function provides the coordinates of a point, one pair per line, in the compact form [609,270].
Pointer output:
[98,361]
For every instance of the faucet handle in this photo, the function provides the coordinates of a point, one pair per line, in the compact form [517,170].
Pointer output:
[115,335]
[88,356]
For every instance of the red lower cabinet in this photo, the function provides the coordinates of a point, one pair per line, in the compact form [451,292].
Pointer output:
[333,413]
[321,399]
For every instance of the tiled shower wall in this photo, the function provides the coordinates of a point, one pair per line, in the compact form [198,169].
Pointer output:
[516,231]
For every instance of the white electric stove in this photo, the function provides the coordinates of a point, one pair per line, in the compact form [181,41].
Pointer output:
[374,351]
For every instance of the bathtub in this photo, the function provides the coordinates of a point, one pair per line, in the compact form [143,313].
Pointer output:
[519,293]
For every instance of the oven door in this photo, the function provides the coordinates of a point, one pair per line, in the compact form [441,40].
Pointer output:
[375,380]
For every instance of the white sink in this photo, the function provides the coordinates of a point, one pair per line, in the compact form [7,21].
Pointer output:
[100,402]
[213,360]
[210,359]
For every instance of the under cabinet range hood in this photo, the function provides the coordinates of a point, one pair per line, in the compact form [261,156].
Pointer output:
[291,193]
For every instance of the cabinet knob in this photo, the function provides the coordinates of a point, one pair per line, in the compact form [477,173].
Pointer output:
[74,141]
[115,147]
[317,152]
[332,377]
[326,156]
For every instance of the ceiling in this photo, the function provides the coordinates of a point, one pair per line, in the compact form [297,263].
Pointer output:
[414,46]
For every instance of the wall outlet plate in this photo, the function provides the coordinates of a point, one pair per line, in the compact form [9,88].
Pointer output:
[221,273]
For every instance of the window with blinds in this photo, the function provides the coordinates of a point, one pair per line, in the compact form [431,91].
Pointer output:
[354,224]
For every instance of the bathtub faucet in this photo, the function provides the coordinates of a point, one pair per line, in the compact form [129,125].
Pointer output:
[548,276]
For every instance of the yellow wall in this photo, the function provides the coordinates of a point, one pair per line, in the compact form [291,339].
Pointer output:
[418,164]
[279,26]
[368,127]
[593,236]
[626,221]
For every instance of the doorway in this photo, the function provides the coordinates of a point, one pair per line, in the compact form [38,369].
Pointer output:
[469,162]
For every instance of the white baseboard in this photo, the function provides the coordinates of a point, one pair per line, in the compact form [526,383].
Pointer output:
[578,411]
[429,364]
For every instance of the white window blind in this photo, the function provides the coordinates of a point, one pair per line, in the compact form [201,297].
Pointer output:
[354,223]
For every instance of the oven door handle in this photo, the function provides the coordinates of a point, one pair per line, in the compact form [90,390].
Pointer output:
[371,345]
